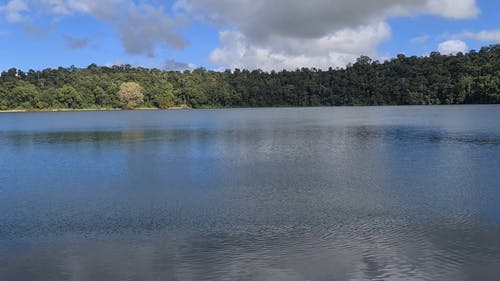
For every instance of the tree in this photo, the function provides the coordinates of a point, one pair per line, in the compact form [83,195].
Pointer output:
[24,95]
[467,78]
[99,96]
[130,94]
[164,96]
[165,101]
[68,97]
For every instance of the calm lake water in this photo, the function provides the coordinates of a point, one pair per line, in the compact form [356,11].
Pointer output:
[372,193]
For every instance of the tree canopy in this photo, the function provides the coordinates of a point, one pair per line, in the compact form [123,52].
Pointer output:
[130,95]
[468,78]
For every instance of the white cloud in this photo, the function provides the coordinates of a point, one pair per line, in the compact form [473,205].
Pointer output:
[256,33]
[457,9]
[76,43]
[174,65]
[38,31]
[14,10]
[336,49]
[114,63]
[68,7]
[57,6]
[452,47]
[484,35]
[420,39]
[259,19]
[142,27]
[147,27]
[316,33]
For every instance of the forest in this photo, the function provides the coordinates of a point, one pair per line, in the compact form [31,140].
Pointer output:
[471,78]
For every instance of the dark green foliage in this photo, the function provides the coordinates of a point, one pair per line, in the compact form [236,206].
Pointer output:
[437,79]
[68,97]
[23,95]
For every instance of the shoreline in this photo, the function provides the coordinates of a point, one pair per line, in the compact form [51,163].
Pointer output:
[88,109]
[214,108]
[58,110]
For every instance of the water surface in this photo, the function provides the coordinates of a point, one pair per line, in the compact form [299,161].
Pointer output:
[362,193]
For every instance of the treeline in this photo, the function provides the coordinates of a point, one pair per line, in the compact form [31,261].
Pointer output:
[435,79]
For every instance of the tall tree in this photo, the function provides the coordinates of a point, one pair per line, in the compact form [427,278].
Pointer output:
[131,95]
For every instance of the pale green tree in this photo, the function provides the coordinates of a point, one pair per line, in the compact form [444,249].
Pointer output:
[131,95]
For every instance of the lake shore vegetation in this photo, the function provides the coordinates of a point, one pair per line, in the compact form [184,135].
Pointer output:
[470,78]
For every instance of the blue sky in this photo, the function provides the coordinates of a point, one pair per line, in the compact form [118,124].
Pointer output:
[219,34]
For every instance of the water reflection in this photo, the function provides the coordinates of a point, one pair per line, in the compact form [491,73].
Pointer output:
[270,253]
[282,194]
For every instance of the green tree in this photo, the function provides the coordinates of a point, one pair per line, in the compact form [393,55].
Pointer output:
[164,96]
[472,77]
[68,97]
[24,95]
[130,95]
[3,100]
[99,96]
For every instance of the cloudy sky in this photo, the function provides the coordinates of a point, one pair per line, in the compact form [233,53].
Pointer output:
[219,34]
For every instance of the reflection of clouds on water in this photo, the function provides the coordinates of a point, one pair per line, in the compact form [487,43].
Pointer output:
[281,194]
[371,252]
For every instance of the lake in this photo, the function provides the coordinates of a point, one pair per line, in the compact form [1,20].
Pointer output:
[348,193]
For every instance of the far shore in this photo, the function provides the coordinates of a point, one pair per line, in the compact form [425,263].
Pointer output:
[189,108]
[89,109]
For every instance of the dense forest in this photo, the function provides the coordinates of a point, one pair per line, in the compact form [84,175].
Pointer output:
[435,79]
